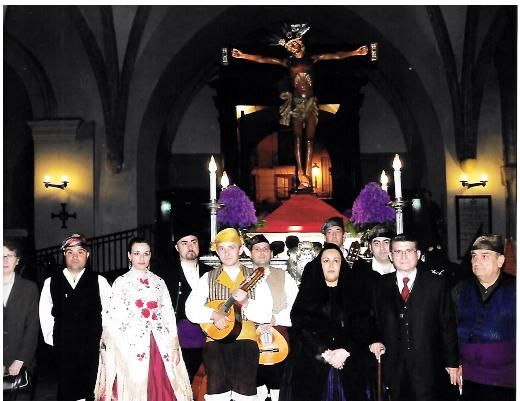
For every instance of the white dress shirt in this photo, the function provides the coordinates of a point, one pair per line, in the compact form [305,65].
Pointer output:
[258,310]
[382,268]
[401,275]
[46,318]
[192,274]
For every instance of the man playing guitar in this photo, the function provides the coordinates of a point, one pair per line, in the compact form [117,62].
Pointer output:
[283,290]
[231,364]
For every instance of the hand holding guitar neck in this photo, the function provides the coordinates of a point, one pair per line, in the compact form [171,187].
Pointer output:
[240,296]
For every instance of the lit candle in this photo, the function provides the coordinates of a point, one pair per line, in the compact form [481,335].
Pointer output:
[484,178]
[212,179]
[397,176]
[384,181]
[47,179]
[463,178]
[64,179]
[224,181]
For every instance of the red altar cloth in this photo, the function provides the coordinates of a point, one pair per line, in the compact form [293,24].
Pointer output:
[300,213]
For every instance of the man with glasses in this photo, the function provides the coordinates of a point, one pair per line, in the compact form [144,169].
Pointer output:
[416,321]
[486,320]
[71,308]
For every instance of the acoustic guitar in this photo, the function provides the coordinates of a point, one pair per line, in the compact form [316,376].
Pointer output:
[232,309]
[273,347]
[353,252]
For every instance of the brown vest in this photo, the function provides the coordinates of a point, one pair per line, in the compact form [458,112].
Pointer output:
[276,282]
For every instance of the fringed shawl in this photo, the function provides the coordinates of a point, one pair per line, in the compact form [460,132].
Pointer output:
[138,307]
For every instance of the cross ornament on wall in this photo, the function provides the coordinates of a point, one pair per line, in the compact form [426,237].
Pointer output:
[63,215]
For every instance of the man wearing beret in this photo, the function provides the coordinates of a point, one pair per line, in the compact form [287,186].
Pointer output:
[379,245]
[181,278]
[71,308]
[283,290]
[231,366]
[486,324]
[334,231]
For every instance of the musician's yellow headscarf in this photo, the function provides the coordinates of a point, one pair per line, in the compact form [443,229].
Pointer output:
[226,235]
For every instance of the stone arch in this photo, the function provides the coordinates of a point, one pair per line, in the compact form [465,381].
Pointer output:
[185,74]
[34,77]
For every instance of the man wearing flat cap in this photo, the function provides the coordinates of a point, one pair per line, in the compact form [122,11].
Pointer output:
[181,277]
[379,238]
[334,231]
[283,290]
[71,308]
[231,365]
[486,324]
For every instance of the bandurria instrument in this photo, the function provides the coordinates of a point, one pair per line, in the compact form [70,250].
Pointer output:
[232,310]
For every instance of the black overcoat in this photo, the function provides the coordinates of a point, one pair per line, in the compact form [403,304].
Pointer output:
[432,329]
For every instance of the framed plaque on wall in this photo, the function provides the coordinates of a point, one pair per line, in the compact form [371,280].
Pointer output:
[473,216]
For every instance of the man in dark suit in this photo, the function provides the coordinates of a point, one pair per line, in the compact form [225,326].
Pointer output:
[180,278]
[416,321]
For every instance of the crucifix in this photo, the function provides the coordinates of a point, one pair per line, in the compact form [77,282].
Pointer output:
[63,215]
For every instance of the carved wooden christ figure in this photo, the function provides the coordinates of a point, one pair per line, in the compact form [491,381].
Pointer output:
[300,106]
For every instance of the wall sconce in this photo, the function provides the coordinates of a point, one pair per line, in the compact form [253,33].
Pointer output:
[464,181]
[47,182]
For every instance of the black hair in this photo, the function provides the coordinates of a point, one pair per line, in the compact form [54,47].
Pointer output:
[405,238]
[138,240]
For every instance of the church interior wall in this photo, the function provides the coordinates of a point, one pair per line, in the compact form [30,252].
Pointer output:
[174,34]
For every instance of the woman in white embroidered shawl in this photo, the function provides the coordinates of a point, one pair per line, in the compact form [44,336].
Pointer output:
[142,360]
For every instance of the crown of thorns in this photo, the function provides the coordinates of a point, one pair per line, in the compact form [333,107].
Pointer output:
[290,32]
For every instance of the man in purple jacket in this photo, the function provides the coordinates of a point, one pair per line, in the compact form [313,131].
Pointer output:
[486,321]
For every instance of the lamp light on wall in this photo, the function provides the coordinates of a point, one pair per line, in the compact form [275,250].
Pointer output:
[315,173]
[47,182]
[464,181]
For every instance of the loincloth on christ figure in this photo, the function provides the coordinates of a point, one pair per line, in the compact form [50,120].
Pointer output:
[297,107]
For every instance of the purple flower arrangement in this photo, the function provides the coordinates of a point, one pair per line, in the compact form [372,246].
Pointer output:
[371,207]
[238,210]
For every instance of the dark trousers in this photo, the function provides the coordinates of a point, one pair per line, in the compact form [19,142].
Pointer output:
[231,367]
[192,359]
[472,391]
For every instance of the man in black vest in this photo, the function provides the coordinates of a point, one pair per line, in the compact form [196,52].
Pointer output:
[71,306]
[416,321]
[180,279]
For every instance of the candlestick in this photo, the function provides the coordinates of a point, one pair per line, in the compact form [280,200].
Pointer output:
[212,179]
[384,181]
[397,177]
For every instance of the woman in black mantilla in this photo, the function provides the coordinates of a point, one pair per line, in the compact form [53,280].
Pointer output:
[333,328]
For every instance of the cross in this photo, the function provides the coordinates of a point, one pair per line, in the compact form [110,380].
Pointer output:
[63,215]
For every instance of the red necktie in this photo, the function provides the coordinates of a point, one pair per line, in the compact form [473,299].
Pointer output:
[405,293]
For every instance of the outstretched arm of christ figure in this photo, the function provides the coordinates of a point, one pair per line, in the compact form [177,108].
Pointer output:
[258,59]
[363,50]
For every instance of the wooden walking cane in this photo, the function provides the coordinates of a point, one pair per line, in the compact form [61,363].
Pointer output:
[379,381]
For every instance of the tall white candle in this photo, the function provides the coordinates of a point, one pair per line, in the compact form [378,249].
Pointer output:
[384,181]
[212,179]
[397,177]
[224,181]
